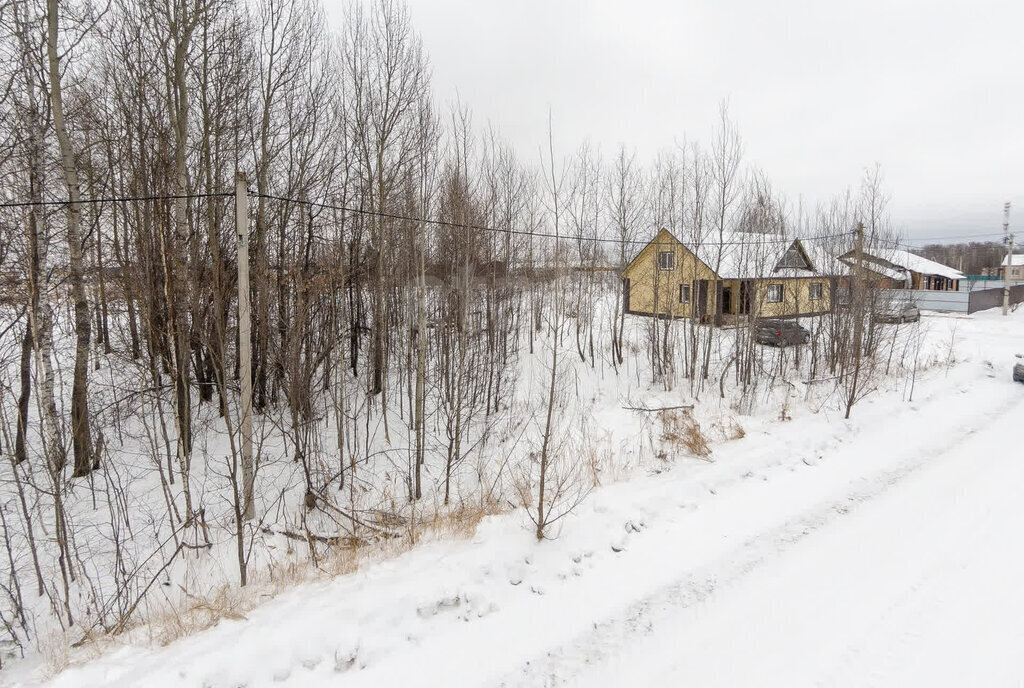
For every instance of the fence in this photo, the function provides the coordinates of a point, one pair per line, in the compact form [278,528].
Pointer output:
[990,298]
[978,284]
[962,301]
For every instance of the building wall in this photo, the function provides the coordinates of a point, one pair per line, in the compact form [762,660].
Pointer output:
[932,282]
[1016,272]
[657,291]
[653,291]
[796,297]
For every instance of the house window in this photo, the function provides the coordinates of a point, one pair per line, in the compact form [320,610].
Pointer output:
[774,293]
[667,260]
[684,293]
[815,291]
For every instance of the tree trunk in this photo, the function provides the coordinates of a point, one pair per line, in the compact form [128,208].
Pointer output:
[25,394]
[80,431]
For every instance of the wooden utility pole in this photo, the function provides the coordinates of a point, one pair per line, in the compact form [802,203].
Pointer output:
[858,308]
[244,343]
[1008,270]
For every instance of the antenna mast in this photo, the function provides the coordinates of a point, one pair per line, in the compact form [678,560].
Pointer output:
[1008,269]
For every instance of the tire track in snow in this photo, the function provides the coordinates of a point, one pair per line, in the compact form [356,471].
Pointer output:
[922,604]
[561,665]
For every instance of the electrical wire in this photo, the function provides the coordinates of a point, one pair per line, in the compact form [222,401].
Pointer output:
[127,199]
[473,226]
[519,232]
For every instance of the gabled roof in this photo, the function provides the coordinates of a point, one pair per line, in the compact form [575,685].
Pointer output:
[1017,259]
[740,255]
[823,260]
[891,259]
[898,274]
[752,256]
[915,263]
[664,238]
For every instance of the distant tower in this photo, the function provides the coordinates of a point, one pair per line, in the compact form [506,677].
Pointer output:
[1008,270]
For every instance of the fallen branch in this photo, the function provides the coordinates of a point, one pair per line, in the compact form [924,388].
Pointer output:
[685,407]
[349,541]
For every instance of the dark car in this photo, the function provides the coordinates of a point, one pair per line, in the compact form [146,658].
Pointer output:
[780,333]
[899,314]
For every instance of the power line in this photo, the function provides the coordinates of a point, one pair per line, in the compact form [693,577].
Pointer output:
[520,232]
[126,199]
[426,221]
[956,236]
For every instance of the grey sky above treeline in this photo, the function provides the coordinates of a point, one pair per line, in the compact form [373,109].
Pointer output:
[932,91]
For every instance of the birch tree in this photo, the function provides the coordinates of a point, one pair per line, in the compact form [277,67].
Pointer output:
[80,430]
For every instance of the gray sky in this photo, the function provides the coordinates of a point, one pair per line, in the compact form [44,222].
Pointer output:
[932,91]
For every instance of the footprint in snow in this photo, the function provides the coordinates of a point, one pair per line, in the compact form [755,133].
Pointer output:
[344,662]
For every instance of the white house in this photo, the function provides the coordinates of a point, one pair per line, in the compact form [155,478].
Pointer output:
[1016,267]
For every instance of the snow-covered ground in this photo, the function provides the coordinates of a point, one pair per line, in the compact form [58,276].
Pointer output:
[882,550]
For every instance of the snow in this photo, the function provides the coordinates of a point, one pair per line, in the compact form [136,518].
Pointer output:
[909,582]
[879,550]
[1016,258]
[891,273]
[822,259]
[916,263]
[744,255]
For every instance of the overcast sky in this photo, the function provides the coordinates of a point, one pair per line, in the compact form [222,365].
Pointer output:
[820,90]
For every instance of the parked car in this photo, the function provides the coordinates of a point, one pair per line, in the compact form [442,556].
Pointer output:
[1018,372]
[780,332]
[899,314]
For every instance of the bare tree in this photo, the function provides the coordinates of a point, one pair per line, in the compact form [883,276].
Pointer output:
[81,436]
[627,209]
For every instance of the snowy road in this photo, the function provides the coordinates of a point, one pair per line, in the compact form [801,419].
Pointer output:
[922,584]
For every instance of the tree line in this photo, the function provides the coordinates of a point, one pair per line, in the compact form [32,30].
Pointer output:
[407,267]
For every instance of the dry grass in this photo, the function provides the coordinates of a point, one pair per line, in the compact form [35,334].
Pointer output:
[200,613]
[735,430]
[173,621]
[231,602]
[732,430]
[680,428]
[460,523]
[55,649]
[600,463]
[728,429]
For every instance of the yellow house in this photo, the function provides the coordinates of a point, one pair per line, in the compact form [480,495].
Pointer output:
[722,278]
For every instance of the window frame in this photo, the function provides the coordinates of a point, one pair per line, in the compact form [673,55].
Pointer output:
[684,289]
[673,261]
[771,289]
[816,286]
